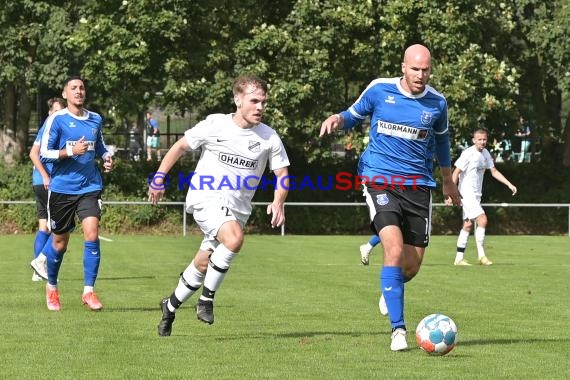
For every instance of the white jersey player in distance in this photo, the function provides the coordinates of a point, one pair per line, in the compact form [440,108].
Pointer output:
[468,174]
[234,146]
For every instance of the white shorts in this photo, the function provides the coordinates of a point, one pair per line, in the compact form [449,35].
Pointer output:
[210,216]
[472,208]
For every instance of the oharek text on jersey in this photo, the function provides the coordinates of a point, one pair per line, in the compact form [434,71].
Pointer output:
[237,161]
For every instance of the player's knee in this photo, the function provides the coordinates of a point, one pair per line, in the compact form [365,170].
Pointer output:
[201,260]
[231,235]
[60,242]
[234,243]
[482,220]
[90,235]
[467,225]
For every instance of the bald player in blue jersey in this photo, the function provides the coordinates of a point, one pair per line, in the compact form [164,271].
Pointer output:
[71,141]
[408,125]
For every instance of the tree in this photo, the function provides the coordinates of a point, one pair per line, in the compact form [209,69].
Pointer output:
[31,57]
[324,54]
[490,60]
[545,28]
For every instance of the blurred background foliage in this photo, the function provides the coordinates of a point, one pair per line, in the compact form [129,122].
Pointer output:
[493,62]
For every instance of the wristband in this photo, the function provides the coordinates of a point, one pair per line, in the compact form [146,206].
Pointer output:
[69,150]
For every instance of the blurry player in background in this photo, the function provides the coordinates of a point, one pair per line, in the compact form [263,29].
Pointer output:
[469,173]
[153,137]
[40,183]
[408,124]
[72,140]
[234,146]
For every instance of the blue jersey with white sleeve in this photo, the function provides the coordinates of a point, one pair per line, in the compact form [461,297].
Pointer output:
[406,131]
[36,176]
[76,174]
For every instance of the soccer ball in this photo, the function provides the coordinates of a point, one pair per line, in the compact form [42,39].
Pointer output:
[436,334]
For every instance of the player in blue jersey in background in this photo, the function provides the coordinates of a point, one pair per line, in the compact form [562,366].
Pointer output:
[40,183]
[72,140]
[408,124]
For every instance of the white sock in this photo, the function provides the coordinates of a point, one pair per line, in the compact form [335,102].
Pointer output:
[221,259]
[461,244]
[193,278]
[87,289]
[480,240]
[51,287]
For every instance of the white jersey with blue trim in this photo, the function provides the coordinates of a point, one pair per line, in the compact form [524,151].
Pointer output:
[406,131]
[36,176]
[77,174]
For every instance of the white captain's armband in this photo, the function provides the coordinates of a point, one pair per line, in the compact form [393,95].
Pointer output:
[69,149]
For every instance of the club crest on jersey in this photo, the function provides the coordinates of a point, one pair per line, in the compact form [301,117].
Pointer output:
[382,199]
[254,146]
[426,117]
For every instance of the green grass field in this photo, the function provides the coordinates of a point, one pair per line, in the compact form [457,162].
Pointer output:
[294,307]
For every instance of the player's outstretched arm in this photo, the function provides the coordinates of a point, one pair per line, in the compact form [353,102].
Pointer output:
[331,124]
[156,184]
[277,207]
[501,178]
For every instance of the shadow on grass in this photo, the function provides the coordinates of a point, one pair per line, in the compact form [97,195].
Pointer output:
[304,337]
[490,342]
[127,309]
[114,278]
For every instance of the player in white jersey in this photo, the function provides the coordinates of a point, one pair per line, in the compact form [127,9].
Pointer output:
[408,125]
[469,173]
[235,151]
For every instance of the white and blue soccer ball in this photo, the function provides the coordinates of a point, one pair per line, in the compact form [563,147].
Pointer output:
[436,334]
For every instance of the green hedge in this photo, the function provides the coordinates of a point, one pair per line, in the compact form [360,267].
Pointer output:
[537,183]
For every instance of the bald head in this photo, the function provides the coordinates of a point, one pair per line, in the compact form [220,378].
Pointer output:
[417,52]
[416,69]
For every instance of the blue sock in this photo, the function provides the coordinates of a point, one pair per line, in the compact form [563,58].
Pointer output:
[374,240]
[40,241]
[54,260]
[91,260]
[392,286]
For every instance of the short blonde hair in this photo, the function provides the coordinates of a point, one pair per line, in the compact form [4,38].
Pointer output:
[243,81]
